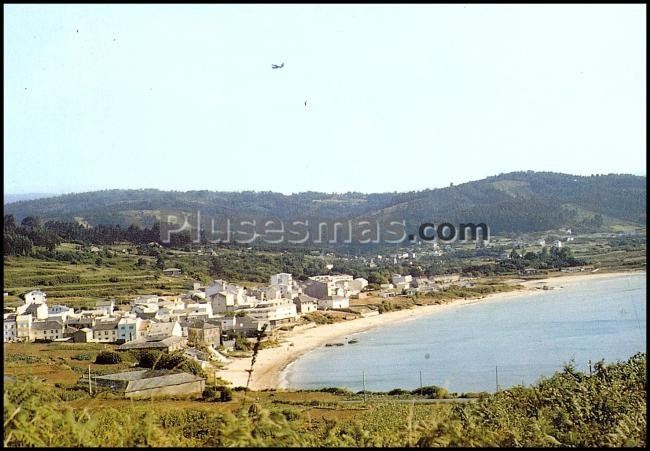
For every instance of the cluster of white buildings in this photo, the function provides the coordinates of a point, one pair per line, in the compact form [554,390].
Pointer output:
[202,314]
[282,301]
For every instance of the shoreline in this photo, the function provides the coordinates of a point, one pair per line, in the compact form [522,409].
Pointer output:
[269,371]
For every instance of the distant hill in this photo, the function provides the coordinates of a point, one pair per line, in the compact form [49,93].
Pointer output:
[9,198]
[514,202]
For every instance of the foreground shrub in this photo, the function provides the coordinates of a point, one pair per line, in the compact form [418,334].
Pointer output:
[108,358]
[217,393]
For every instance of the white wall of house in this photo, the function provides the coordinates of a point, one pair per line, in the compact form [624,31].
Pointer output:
[334,303]
[128,329]
[24,327]
[10,329]
[35,297]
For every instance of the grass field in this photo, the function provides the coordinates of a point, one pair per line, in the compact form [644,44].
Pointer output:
[80,285]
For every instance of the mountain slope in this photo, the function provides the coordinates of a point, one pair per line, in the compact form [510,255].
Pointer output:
[514,202]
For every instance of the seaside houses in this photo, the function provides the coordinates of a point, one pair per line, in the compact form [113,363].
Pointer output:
[285,283]
[305,304]
[334,292]
[244,325]
[81,319]
[322,287]
[334,302]
[274,312]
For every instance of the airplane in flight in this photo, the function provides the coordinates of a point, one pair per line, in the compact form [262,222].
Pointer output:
[275,66]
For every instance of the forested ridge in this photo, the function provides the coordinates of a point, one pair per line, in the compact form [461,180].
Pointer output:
[515,202]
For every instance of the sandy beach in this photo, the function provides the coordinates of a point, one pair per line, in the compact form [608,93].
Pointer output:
[271,362]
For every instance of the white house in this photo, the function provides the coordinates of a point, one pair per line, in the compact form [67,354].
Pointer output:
[282,279]
[165,329]
[128,328]
[305,304]
[37,310]
[274,312]
[145,310]
[48,330]
[105,332]
[198,309]
[59,312]
[334,302]
[105,305]
[10,331]
[35,297]
[323,287]
[24,328]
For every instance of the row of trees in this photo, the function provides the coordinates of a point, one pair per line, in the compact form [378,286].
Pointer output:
[19,239]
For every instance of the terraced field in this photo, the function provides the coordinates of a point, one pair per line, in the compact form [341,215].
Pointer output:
[82,284]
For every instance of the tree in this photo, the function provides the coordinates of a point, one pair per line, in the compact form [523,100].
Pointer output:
[9,223]
[31,222]
[160,262]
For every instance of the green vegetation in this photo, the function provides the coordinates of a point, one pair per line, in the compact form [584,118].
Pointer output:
[108,358]
[513,202]
[214,393]
[569,409]
[157,360]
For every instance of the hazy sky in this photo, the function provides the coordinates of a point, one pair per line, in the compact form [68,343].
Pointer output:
[398,97]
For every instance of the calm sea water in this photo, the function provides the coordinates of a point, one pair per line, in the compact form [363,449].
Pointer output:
[463,348]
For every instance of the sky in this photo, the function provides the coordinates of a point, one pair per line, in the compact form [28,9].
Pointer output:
[398,97]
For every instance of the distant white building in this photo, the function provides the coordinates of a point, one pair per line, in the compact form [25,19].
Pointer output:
[36,309]
[399,279]
[334,302]
[281,279]
[106,306]
[274,312]
[557,243]
[226,297]
[145,310]
[59,312]
[323,287]
[305,304]
[35,297]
